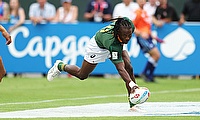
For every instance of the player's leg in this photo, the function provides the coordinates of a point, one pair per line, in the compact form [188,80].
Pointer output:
[148,47]
[2,69]
[144,45]
[81,73]
[93,56]
[153,60]
[155,54]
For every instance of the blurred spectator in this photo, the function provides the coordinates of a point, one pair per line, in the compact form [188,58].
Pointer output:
[4,11]
[164,13]
[17,14]
[150,7]
[68,13]
[190,11]
[42,11]
[98,11]
[125,9]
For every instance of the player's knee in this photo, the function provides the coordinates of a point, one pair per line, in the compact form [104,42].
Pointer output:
[157,54]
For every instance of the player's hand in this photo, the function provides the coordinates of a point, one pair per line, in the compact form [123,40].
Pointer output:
[7,36]
[133,88]
[144,35]
[159,40]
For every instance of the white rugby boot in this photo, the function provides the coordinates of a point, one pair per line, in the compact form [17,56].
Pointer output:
[53,72]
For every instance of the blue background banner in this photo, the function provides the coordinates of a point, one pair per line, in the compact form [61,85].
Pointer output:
[36,47]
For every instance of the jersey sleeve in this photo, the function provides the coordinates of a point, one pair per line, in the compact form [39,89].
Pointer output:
[137,18]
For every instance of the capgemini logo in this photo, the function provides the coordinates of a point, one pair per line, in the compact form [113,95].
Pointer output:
[178,45]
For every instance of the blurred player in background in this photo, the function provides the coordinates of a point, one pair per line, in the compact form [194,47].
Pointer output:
[142,22]
[7,36]
[106,44]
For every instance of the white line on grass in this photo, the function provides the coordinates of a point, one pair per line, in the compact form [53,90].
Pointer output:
[110,109]
[97,97]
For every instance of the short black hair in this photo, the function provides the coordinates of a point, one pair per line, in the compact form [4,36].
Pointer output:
[120,22]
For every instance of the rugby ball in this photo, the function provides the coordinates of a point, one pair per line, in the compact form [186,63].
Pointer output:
[140,95]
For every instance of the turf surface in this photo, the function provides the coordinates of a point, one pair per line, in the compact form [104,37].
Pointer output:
[34,93]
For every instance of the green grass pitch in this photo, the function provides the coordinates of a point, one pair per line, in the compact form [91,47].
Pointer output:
[39,93]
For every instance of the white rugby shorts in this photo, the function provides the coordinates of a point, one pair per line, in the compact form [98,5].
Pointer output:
[94,54]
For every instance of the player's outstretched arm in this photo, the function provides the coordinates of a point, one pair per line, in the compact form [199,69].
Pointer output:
[6,35]
[130,85]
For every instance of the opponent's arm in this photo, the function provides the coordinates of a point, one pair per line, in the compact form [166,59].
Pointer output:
[6,35]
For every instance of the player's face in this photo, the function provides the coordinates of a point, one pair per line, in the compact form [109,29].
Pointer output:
[124,34]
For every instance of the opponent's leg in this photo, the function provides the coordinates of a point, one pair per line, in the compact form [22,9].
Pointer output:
[153,60]
[145,72]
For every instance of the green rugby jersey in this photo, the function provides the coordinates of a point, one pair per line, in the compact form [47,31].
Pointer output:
[105,39]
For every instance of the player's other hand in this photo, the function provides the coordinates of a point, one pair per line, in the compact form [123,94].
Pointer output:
[7,36]
[160,41]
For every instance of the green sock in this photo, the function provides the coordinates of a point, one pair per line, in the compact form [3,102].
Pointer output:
[61,66]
